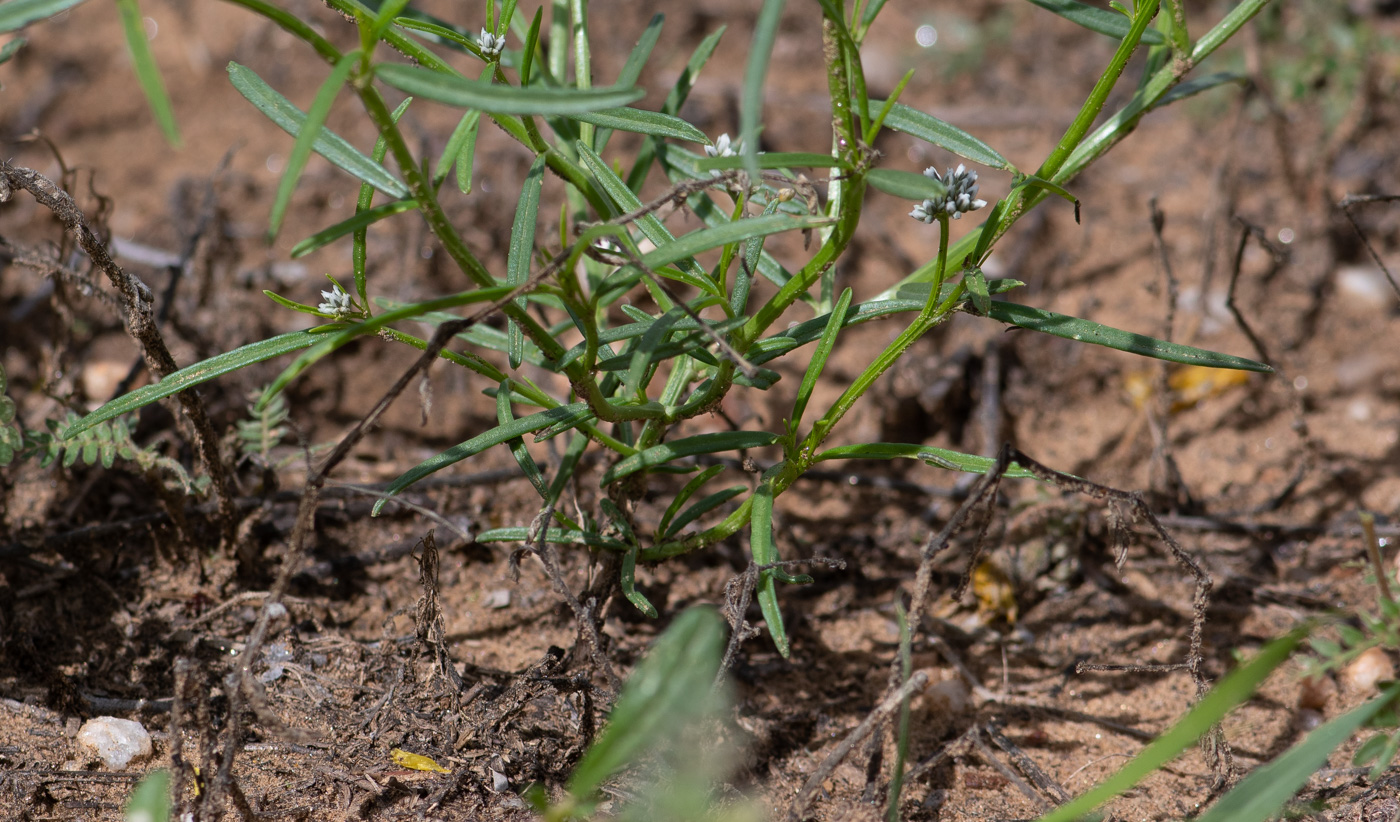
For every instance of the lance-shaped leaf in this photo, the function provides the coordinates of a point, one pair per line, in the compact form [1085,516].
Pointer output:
[639,121]
[906,184]
[455,90]
[201,372]
[940,457]
[306,138]
[930,129]
[17,14]
[363,219]
[1073,328]
[558,536]
[1098,20]
[328,144]
[687,447]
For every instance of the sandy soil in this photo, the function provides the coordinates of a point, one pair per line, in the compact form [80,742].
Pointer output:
[106,607]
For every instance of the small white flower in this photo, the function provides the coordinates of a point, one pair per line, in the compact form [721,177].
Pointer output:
[724,148]
[491,44]
[960,197]
[337,303]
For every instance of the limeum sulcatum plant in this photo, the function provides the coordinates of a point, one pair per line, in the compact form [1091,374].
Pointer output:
[634,387]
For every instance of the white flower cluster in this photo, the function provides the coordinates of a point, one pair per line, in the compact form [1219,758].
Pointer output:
[337,303]
[491,44]
[961,196]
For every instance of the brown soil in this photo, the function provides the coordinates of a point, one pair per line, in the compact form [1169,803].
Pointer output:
[1271,471]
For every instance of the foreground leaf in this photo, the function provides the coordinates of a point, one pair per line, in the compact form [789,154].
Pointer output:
[493,98]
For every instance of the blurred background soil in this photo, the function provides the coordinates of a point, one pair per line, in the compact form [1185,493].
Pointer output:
[1260,478]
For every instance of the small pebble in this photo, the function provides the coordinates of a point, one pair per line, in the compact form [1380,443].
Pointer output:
[117,742]
[1367,671]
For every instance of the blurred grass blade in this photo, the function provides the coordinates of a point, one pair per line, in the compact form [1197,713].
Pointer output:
[906,184]
[574,412]
[460,148]
[1234,689]
[1263,794]
[11,48]
[930,129]
[201,372]
[687,447]
[764,553]
[147,72]
[639,121]
[1098,20]
[361,220]
[306,138]
[455,90]
[941,457]
[328,144]
[150,801]
[16,14]
[819,356]
[670,688]
[765,33]
[522,249]
[1073,328]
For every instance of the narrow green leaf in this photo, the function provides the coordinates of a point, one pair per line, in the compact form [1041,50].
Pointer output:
[328,144]
[786,340]
[1073,328]
[708,238]
[455,90]
[1190,88]
[834,323]
[557,536]
[11,48]
[347,334]
[703,507]
[1098,20]
[906,184]
[976,283]
[151,799]
[293,304]
[361,220]
[1058,190]
[940,457]
[16,14]
[147,72]
[687,447]
[1263,794]
[522,248]
[764,553]
[459,146]
[930,129]
[639,121]
[663,529]
[632,69]
[306,138]
[765,33]
[201,372]
[502,433]
[641,362]
[505,417]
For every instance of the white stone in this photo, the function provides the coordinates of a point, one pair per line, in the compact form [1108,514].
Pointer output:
[117,742]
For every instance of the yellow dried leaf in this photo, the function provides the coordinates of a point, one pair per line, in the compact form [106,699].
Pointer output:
[416,762]
[995,592]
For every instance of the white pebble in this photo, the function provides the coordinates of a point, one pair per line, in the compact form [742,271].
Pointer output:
[1368,670]
[115,741]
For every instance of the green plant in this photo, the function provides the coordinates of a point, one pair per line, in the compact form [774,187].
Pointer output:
[103,443]
[636,387]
